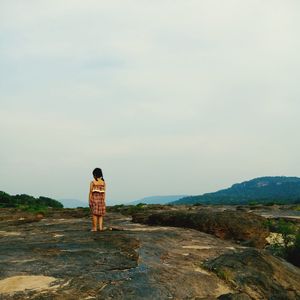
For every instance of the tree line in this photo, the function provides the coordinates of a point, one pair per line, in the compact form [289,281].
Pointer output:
[24,200]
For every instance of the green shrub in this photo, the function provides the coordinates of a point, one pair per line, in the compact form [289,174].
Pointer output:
[289,248]
[296,207]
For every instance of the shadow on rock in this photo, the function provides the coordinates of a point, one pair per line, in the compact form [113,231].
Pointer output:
[240,226]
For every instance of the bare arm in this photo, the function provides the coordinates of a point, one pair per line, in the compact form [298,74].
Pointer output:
[90,193]
[104,191]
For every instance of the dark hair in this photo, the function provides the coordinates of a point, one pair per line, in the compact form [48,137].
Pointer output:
[97,173]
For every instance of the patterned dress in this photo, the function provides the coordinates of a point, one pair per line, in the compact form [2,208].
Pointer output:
[98,206]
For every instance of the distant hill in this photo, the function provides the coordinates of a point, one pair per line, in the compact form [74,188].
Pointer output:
[157,199]
[24,200]
[278,189]
[73,203]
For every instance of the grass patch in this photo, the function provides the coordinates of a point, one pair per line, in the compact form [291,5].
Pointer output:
[38,209]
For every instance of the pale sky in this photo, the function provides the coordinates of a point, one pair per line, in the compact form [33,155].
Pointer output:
[167,97]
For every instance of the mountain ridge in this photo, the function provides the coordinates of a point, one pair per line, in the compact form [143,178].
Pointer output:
[73,203]
[281,189]
[157,199]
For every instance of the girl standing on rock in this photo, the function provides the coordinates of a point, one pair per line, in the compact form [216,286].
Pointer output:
[97,199]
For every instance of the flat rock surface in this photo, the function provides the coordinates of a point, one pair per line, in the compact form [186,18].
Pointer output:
[60,258]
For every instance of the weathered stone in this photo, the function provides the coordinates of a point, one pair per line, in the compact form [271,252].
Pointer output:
[244,227]
[258,274]
[130,261]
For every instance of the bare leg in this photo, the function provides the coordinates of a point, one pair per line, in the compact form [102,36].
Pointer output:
[94,223]
[100,220]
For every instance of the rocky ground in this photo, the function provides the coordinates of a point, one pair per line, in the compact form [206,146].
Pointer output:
[57,257]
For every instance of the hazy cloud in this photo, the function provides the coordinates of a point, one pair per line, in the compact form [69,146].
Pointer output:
[166,96]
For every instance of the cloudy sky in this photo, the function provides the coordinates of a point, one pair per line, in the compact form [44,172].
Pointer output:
[167,97]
